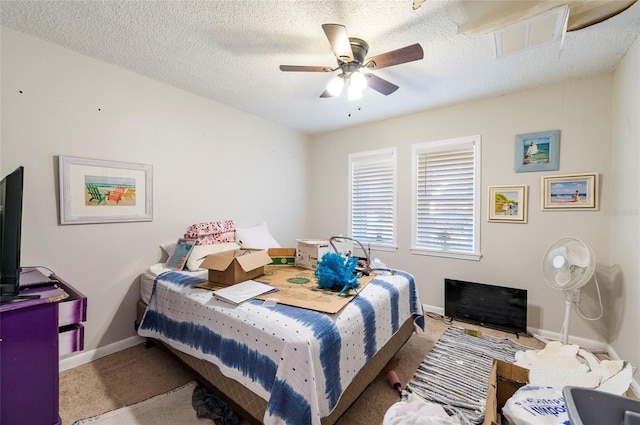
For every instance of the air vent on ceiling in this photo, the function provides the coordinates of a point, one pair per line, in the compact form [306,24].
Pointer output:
[549,27]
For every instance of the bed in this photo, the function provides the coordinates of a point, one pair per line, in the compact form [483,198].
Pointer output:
[280,364]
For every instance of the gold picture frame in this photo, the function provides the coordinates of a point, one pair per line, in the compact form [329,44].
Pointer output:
[569,192]
[507,204]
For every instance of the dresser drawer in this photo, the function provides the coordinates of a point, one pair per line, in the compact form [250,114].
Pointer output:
[70,339]
[72,310]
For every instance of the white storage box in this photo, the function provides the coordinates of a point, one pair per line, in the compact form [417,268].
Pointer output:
[310,251]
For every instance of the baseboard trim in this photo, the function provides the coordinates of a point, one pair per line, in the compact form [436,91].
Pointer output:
[592,345]
[433,309]
[88,356]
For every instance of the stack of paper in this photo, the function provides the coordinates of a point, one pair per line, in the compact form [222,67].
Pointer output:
[243,291]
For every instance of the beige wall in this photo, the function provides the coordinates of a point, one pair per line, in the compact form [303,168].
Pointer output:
[511,253]
[210,162]
[624,211]
[222,161]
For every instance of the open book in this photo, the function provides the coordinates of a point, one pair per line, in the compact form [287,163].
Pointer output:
[243,291]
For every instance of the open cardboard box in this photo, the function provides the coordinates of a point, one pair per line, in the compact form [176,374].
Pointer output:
[505,379]
[235,266]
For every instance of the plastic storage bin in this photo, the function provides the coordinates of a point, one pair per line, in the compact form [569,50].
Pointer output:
[586,406]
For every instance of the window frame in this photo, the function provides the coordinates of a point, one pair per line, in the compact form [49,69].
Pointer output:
[444,146]
[372,156]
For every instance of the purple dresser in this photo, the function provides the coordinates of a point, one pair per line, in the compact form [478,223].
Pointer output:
[33,333]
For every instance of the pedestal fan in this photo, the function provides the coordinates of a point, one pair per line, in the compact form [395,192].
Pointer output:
[568,265]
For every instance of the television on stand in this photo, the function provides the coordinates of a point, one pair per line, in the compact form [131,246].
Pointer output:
[11,188]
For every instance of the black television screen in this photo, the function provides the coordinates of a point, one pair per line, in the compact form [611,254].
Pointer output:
[10,233]
[488,305]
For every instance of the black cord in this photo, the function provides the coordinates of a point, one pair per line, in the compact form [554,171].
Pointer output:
[440,317]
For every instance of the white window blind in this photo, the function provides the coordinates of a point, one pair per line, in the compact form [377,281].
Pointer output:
[372,212]
[446,198]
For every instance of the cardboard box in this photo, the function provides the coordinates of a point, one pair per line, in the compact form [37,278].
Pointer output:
[235,266]
[310,251]
[282,256]
[505,379]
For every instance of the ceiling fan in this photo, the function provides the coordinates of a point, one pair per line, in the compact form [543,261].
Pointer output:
[350,53]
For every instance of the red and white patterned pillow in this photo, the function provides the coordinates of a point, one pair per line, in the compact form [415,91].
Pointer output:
[212,232]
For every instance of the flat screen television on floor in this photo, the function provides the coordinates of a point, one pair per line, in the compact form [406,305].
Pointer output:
[492,306]
[10,233]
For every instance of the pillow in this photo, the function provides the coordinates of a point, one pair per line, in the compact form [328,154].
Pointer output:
[212,232]
[199,252]
[168,247]
[256,237]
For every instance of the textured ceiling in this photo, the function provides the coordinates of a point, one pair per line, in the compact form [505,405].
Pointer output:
[230,50]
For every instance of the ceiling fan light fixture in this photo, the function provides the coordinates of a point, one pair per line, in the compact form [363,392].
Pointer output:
[353,92]
[358,81]
[335,85]
[351,53]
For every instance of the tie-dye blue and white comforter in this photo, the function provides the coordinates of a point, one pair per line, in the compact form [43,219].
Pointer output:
[299,360]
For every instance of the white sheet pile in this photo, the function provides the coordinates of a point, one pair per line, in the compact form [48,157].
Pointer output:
[299,360]
[559,365]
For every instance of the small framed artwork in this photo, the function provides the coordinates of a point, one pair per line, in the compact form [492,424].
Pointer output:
[538,151]
[181,254]
[507,204]
[576,191]
[98,191]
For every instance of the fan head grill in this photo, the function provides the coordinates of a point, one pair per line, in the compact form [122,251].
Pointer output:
[568,264]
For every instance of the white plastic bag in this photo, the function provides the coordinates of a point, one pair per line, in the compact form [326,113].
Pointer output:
[535,405]
[416,411]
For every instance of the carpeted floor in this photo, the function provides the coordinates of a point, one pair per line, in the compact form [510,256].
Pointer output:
[169,408]
[136,374]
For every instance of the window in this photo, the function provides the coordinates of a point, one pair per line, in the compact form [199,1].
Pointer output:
[446,200]
[372,193]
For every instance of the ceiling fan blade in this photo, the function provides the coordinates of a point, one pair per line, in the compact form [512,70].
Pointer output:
[339,40]
[380,84]
[305,68]
[395,57]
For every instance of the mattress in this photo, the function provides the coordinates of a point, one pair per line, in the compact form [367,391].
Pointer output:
[299,361]
[149,276]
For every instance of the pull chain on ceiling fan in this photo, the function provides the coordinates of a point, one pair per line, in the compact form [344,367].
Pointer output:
[350,53]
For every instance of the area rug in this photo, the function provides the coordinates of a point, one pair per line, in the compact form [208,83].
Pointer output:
[171,408]
[455,373]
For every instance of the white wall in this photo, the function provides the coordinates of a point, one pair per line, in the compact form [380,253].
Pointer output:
[625,209]
[210,162]
[511,253]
